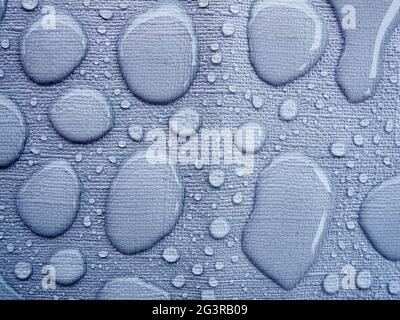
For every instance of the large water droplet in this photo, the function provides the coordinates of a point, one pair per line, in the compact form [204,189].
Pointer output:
[144,204]
[12,132]
[131,289]
[82,115]
[52,47]
[380,219]
[366,27]
[286,38]
[158,53]
[48,202]
[70,266]
[292,209]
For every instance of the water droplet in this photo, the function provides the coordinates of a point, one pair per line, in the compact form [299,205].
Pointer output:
[49,200]
[216,178]
[228,29]
[135,132]
[366,37]
[338,149]
[70,266]
[171,254]
[289,110]
[144,204]
[293,204]
[29,5]
[179,281]
[12,132]
[23,270]
[185,122]
[251,137]
[131,289]
[286,39]
[52,47]
[197,269]
[219,228]
[331,283]
[394,287]
[106,14]
[380,220]
[158,53]
[81,115]
[364,280]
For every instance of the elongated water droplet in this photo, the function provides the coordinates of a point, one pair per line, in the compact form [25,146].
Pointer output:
[293,204]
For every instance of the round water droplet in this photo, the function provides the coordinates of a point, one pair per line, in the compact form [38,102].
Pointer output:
[250,138]
[135,132]
[197,269]
[48,201]
[185,122]
[331,283]
[70,266]
[286,39]
[29,5]
[289,110]
[158,53]
[171,254]
[394,287]
[338,150]
[217,178]
[219,228]
[12,132]
[52,47]
[23,270]
[81,115]
[179,281]
[364,280]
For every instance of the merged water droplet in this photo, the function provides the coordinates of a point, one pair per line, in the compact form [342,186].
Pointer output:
[52,47]
[158,53]
[70,266]
[380,219]
[13,132]
[293,204]
[144,204]
[366,27]
[131,289]
[49,200]
[286,39]
[81,115]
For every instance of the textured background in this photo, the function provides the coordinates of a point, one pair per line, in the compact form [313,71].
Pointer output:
[312,133]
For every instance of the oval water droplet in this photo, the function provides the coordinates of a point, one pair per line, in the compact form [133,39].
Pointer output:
[131,289]
[286,39]
[12,132]
[70,266]
[293,204]
[380,219]
[81,115]
[49,200]
[144,204]
[158,53]
[52,47]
